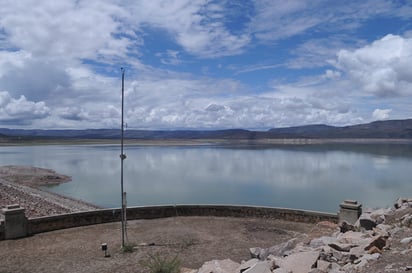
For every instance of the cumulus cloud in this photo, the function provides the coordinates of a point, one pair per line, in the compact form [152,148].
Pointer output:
[381,68]
[60,60]
[65,29]
[380,114]
[20,110]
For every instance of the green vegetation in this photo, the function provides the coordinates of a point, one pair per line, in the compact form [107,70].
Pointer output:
[161,264]
[128,248]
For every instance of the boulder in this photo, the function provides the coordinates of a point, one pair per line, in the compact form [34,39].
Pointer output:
[282,249]
[246,265]
[352,237]
[341,247]
[357,252]
[301,262]
[406,240]
[406,220]
[323,265]
[379,215]
[400,203]
[377,241]
[317,270]
[259,267]
[219,266]
[281,270]
[258,253]
[374,250]
[344,227]
[322,241]
[365,221]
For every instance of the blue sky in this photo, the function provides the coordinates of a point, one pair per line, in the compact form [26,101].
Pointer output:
[204,64]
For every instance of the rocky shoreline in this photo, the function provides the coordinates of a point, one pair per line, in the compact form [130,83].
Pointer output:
[20,185]
[380,241]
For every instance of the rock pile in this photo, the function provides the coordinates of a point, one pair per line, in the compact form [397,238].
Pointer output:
[352,248]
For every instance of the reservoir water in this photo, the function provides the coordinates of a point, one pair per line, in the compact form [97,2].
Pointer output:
[311,177]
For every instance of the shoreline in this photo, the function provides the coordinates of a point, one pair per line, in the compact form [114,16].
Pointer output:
[21,185]
[205,142]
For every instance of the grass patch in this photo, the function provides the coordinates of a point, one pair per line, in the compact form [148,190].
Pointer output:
[161,264]
[128,248]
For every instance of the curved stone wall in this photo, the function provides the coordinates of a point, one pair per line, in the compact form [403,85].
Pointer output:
[44,224]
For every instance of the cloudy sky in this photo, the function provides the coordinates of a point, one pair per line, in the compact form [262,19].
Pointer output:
[200,64]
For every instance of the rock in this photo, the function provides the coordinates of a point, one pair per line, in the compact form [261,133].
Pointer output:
[322,241]
[281,270]
[371,257]
[377,241]
[406,220]
[356,252]
[352,237]
[382,229]
[323,265]
[344,227]
[341,247]
[399,203]
[301,262]
[366,222]
[361,262]
[246,265]
[257,252]
[259,267]
[282,249]
[317,270]
[379,215]
[219,266]
[406,240]
[188,270]
[374,250]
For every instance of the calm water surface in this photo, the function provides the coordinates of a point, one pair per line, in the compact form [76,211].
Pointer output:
[313,177]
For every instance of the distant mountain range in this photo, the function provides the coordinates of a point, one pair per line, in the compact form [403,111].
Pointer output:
[392,129]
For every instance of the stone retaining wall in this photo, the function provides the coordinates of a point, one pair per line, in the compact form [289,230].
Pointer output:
[44,224]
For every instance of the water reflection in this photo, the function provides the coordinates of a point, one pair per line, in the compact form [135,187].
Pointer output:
[314,177]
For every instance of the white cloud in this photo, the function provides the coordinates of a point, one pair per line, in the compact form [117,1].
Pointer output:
[65,29]
[382,68]
[20,110]
[275,20]
[60,60]
[197,26]
[380,114]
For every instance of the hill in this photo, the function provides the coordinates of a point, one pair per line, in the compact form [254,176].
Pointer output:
[392,129]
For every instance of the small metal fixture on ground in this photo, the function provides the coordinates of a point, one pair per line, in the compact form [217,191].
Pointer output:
[104,248]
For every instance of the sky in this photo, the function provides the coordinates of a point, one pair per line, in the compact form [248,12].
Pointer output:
[200,64]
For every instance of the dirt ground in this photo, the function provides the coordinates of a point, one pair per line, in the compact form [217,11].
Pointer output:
[194,239]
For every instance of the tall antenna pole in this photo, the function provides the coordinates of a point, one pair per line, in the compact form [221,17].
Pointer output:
[122,157]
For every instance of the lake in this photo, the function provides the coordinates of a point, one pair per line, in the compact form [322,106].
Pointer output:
[312,177]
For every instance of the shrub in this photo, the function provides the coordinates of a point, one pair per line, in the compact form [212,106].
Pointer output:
[161,264]
[128,248]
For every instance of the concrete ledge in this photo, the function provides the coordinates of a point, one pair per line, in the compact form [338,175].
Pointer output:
[44,224]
